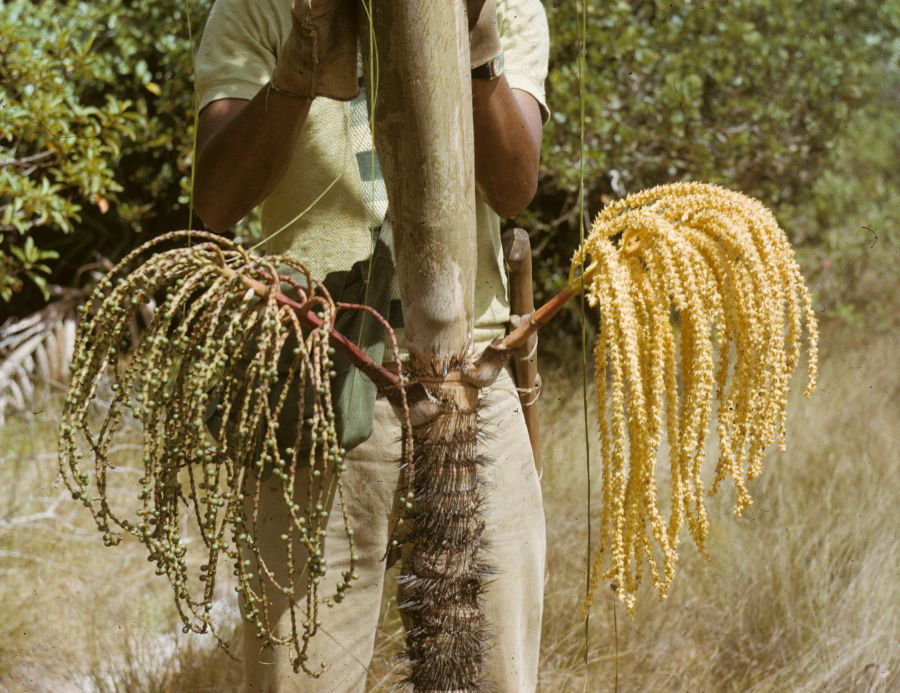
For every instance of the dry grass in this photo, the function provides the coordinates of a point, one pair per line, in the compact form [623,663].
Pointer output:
[802,593]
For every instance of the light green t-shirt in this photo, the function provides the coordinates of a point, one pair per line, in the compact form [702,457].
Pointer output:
[330,175]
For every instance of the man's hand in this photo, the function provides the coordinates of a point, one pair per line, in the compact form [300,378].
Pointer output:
[319,56]
[484,37]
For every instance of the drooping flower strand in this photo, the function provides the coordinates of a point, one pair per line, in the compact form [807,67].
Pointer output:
[682,274]
[210,383]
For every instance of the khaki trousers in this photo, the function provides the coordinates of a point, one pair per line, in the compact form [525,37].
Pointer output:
[515,548]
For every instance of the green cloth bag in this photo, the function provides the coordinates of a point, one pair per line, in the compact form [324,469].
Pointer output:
[353,394]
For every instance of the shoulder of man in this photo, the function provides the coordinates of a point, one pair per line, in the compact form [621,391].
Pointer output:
[239,47]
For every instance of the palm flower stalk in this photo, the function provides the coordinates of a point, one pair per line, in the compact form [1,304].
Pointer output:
[680,274]
[236,338]
[683,274]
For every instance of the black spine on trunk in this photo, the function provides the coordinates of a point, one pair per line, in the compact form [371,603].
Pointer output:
[444,573]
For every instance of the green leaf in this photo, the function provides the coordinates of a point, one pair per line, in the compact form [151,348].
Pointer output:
[41,284]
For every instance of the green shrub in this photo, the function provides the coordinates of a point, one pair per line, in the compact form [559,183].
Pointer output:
[753,95]
[847,232]
[96,122]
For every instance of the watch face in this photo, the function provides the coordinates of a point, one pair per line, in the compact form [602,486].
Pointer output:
[498,65]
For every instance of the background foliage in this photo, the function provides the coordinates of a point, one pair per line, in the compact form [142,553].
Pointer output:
[95,132]
[754,95]
[792,102]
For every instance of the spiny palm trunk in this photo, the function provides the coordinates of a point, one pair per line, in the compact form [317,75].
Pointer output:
[423,134]
[443,572]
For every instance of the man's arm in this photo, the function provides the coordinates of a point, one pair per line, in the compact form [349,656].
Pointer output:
[507,144]
[243,149]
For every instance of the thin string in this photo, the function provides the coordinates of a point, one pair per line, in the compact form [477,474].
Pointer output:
[196,125]
[533,392]
[196,121]
[312,204]
[584,393]
[615,641]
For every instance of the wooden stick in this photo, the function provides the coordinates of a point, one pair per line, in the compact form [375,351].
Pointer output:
[517,251]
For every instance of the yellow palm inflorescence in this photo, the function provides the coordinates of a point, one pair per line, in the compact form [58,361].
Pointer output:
[702,303]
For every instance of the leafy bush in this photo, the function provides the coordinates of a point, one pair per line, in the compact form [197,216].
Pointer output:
[753,95]
[847,231]
[96,121]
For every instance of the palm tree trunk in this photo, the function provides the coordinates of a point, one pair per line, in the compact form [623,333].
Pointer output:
[423,134]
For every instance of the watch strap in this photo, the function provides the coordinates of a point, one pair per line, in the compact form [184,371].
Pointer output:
[492,69]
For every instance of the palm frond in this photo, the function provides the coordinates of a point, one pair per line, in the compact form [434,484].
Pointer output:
[36,351]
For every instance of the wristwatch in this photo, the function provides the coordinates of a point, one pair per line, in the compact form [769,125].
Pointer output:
[492,69]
